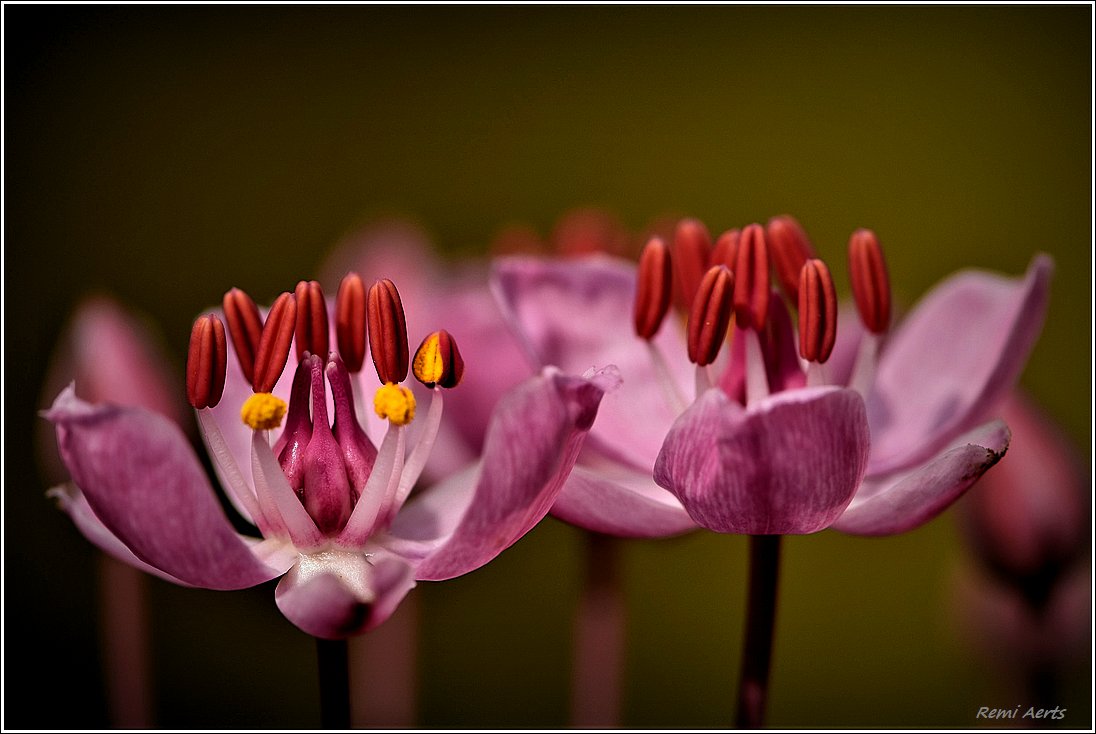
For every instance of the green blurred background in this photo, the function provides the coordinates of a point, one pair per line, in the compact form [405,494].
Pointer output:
[167,153]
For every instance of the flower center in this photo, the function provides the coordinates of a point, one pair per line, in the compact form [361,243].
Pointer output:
[328,463]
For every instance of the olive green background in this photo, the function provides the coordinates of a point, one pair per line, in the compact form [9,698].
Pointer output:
[168,153]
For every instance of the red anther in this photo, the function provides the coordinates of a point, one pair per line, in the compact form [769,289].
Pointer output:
[387,332]
[274,345]
[654,286]
[350,321]
[790,248]
[817,311]
[206,362]
[710,315]
[870,283]
[690,254]
[751,279]
[725,251]
[312,335]
[245,326]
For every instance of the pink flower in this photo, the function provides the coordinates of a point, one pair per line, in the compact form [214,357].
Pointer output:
[879,441]
[334,512]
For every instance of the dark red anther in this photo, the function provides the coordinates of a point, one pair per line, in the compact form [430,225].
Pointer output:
[870,283]
[206,362]
[387,332]
[245,326]
[790,248]
[751,279]
[350,321]
[691,248]
[312,334]
[725,251]
[654,286]
[710,315]
[817,311]
[274,345]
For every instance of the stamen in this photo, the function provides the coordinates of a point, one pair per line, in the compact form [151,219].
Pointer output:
[206,363]
[245,326]
[438,361]
[654,285]
[692,244]
[274,345]
[311,331]
[394,402]
[751,282]
[817,312]
[870,284]
[710,315]
[387,332]
[725,251]
[790,248]
[350,321]
[263,411]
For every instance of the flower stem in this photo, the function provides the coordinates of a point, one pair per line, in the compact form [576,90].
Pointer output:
[753,684]
[334,684]
[598,664]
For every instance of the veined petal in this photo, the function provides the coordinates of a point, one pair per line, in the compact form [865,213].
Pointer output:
[959,352]
[788,464]
[900,502]
[70,499]
[531,445]
[142,480]
[623,503]
[336,594]
[577,314]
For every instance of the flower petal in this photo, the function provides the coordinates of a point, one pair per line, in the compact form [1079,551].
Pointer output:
[337,594]
[959,352]
[622,503]
[577,314]
[531,446]
[788,464]
[901,502]
[142,480]
[70,499]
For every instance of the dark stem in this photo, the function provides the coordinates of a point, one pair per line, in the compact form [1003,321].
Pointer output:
[596,686]
[757,650]
[334,684]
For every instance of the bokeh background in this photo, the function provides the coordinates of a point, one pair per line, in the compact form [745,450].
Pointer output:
[164,154]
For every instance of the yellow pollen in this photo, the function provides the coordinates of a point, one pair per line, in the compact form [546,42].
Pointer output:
[428,365]
[263,411]
[395,402]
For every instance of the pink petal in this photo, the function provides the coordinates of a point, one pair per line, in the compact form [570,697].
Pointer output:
[534,438]
[577,314]
[337,594]
[622,503]
[788,464]
[959,352]
[70,499]
[142,480]
[900,502]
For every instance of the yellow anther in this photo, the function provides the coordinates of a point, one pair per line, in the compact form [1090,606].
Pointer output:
[263,411]
[395,402]
[428,365]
